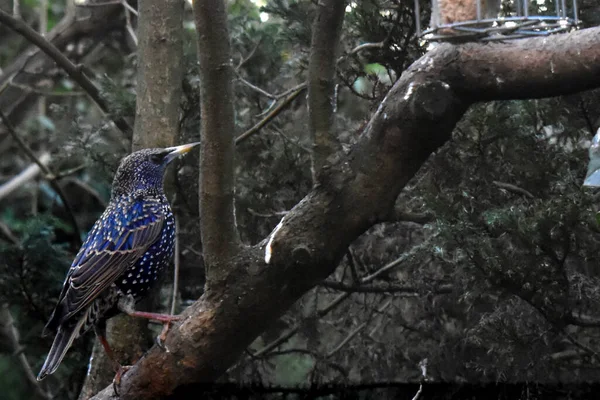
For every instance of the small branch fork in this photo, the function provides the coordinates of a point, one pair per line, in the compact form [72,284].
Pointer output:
[75,72]
[342,297]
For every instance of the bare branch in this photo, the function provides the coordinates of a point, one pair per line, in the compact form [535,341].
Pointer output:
[24,176]
[244,60]
[584,320]
[275,112]
[321,74]
[49,176]
[355,331]
[255,88]
[74,72]
[49,93]
[408,290]
[128,24]
[405,216]
[17,9]
[9,332]
[514,188]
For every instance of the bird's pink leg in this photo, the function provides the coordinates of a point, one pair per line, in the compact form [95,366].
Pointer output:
[164,318]
[126,305]
[119,369]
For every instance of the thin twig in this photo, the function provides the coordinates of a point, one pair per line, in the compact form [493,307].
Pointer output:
[289,140]
[283,338]
[29,89]
[49,176]
[255,88]
[249,56]
[127,8]
[9,330]
[408,290]
[398,261]
[17,9]
[355,332]
[513,188]
[71,69]
[582,346]
[266,215]
[260,124]
[9,234]
[177,261]
[338,300]
[361,47]
[87,188]
[70,171]
[417,218]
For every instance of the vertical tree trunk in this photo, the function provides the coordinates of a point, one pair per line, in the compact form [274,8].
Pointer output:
[159,77]
[219,234]
[327,29]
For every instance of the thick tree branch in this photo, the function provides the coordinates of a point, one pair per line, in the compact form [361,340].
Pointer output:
[416,117]
[327,29]
[219,235]
[74,72]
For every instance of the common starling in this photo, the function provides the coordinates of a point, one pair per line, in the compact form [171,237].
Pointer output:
[123,255]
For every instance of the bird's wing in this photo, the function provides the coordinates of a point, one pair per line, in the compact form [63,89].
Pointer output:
[117,240]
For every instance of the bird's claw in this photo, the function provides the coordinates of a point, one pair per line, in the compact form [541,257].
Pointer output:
[117,379]
[160,339]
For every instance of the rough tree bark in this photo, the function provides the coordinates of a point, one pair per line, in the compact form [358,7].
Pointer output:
[159,77]
[416,117]
[321,74]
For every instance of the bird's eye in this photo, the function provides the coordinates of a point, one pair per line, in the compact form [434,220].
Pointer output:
[156,158]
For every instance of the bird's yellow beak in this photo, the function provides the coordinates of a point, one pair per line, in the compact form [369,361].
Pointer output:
[176,151]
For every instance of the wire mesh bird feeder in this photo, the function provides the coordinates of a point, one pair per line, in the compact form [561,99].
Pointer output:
[497,19]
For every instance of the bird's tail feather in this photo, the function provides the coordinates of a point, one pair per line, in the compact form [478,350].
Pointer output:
[62,342]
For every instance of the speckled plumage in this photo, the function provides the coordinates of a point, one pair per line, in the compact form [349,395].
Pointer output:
[124,253]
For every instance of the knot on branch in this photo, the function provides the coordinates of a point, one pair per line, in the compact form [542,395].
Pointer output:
[429,100]
[301,254]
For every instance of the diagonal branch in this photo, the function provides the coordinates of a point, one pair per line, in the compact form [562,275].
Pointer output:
[269,117]
[327,29]
[49,176]
[74,72]
[416,118]
[219,235]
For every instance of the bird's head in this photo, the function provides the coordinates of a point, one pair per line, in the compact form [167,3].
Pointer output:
[144,170]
